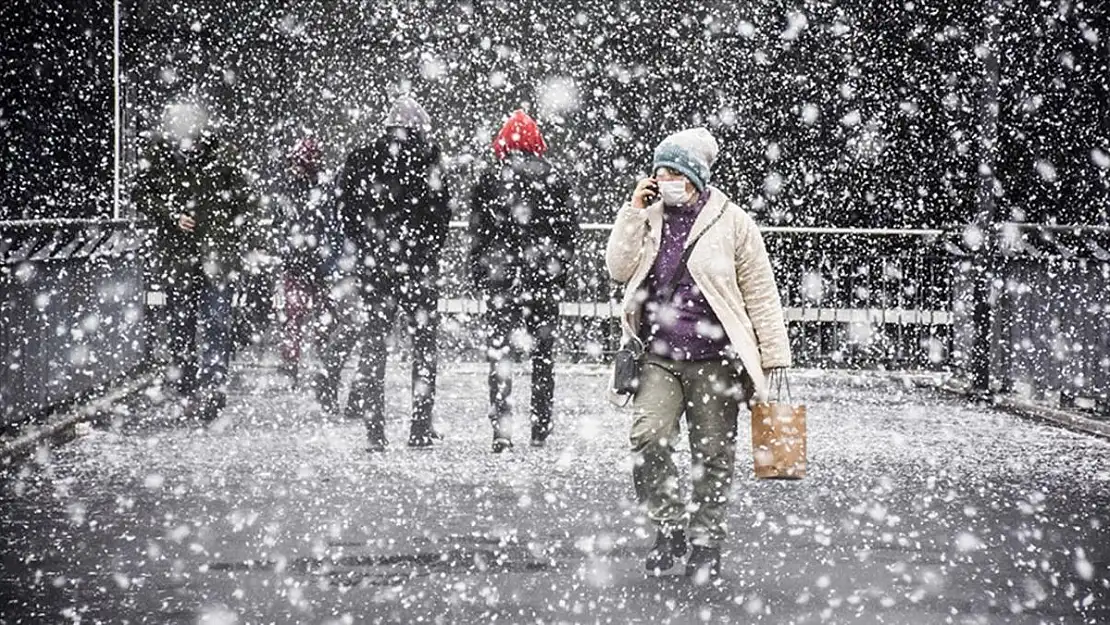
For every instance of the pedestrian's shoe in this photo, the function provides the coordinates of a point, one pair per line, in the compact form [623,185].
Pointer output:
[193,409]
[670,545]
[183,381]
[376,441]
[704,564]
[421,435]
[540,432]
[501,440]
[291,371]
[326,393]
[205,406]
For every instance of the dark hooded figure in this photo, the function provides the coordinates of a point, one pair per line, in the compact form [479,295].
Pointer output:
[522,229]
[394,211]
[195,196]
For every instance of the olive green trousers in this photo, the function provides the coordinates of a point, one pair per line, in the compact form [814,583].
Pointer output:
[710,394]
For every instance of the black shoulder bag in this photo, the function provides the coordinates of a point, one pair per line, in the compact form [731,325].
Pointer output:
[629,359]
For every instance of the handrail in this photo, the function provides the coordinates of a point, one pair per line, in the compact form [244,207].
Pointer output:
[1021,225]
[917,232]
[88,221]
[458,224]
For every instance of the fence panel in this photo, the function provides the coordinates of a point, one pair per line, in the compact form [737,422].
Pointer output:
[71,310]
[852,298]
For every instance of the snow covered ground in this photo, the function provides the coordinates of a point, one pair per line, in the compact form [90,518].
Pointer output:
[918,508]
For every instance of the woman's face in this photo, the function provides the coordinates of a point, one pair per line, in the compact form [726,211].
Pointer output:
[667,174]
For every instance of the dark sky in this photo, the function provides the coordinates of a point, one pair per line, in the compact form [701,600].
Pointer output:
[851,113]
[56,108]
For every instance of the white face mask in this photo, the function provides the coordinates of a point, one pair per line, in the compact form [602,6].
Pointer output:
[673,192]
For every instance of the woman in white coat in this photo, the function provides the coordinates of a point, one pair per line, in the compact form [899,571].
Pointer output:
[712,330]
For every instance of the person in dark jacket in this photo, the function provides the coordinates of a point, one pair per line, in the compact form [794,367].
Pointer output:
[305,247]
[394,209]
[191,189]
[522,229]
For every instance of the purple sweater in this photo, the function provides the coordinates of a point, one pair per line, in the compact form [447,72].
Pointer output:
[686,327]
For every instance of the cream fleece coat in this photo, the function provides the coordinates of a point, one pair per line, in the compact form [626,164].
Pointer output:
[729,265]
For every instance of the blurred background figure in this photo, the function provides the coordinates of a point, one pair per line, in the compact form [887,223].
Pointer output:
[305,230]
[192,190]
[394,210]
[522,230]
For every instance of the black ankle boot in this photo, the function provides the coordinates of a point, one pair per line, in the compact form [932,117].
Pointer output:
[540,432]
[421,434]
[670,545]
[501,439]
[327,395]
[704,564]
[375,437]
[205,406]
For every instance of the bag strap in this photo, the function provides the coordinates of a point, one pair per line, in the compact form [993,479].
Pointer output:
[779,379]
[680,270]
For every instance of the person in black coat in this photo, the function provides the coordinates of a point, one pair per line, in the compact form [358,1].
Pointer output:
[394,209]
[522,229]
[193,192]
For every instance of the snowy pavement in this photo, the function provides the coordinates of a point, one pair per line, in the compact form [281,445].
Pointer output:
[918,509]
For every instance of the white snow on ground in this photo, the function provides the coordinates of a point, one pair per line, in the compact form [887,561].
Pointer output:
[854,420]
[915,504]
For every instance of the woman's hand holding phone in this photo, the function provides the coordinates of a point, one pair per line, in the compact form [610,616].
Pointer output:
[647,191]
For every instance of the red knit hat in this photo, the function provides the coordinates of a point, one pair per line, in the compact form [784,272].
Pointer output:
[519,134]
[306,154]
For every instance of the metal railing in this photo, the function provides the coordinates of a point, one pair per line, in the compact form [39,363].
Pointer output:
[862,298]
[71,311]
[844,292]
[23,240]
[1041,329]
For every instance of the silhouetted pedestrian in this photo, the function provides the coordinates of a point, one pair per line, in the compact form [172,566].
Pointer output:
[306,239]
[523,228]
[192,190]
[394,209]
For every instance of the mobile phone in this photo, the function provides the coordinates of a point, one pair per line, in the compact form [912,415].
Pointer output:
[652,194]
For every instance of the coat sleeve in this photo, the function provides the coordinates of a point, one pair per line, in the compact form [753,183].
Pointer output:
[350,223]
[566,232]
[440,204]
[149,196]
[244,221]
[481,234]
[761,295]
[627,241]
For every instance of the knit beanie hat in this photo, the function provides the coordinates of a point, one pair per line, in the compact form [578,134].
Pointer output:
[306,154]
[519,134]
[691,153]
[407,113]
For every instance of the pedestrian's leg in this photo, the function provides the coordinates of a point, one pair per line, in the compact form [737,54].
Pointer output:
[424,328]
[321,316]
[216,335]
[367,396]
[296,307]
[656,410]
[500,322]
[542,324]
[182,307]
[216,345]
[348,319]
[714,395]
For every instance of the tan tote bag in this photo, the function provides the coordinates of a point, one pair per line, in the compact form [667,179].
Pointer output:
[779,434]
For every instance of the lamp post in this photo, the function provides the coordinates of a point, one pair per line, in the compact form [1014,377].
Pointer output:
[986,257]
[117,120]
